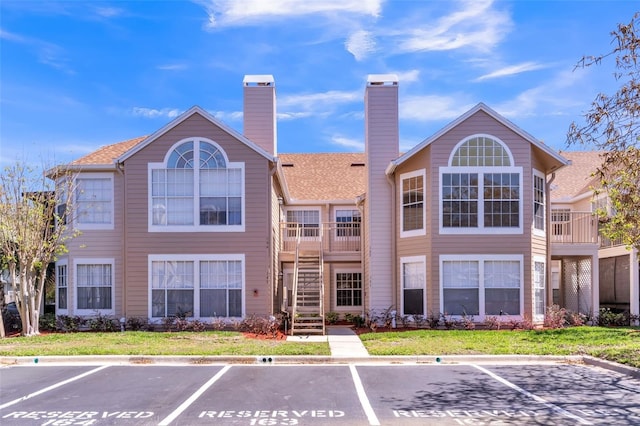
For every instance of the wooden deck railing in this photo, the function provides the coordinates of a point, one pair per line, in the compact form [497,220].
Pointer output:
[568,227]
[335,236]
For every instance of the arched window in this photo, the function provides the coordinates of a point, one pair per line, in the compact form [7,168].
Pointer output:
[481,188]
[196,188]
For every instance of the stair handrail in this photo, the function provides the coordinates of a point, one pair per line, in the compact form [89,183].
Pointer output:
[294,294]
[321,278]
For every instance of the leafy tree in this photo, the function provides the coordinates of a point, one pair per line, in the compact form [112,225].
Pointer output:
[32,234]
[612,125]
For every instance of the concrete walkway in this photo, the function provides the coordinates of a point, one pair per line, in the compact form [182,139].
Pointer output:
[343,342]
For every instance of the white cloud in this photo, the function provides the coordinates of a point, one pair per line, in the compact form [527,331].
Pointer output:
[155,113]
[222,13]
[407,76]
[173,67]
[108,12]
[512,70]
[313,100]
[476,24]
[432,107]
[360,44]
[345,142]
[47,53]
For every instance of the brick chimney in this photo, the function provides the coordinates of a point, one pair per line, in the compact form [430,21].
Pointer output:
[260,111]
[381,147]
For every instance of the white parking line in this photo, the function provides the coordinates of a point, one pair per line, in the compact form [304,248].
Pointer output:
[54,386]
[171,417]
[534,397]
[362,395]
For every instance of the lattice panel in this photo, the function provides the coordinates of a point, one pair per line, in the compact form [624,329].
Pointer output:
[576,285]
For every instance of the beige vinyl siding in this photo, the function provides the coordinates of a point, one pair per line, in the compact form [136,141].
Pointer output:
[418,245]
[481,244]
[381,128]
[253,243]
[100,244]
[259,116]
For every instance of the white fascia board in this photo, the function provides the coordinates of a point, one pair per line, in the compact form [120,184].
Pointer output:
[480,107]
[182,117]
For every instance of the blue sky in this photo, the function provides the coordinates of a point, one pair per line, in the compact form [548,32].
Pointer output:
[77,75]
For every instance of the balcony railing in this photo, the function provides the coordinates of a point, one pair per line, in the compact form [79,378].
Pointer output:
[569,227]
[334,236]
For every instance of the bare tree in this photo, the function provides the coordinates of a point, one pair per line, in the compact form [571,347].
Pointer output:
[613,125]
[33,233]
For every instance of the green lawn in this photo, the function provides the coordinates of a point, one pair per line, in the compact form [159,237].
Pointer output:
[154,343]
[616,344]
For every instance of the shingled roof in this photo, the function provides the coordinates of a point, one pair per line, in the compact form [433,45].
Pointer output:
[107,154]
[324,176]
[576,178]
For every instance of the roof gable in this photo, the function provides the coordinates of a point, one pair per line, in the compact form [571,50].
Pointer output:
[181,118]
[578,178]
[493,114]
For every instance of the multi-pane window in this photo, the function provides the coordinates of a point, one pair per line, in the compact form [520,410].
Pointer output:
[61,281]
[460,200]
[413,286]
[94,202]
[560,222]
[481,189]
[172,286]
[196,286]
[481,151]
[413,202]
[538,202]
[307,221]
[348,223]
[197,187]
[94,286]
[501,200]
[221,288]
[348,289]
[490,285]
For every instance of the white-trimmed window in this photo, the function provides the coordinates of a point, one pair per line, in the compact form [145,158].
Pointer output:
[413,285]
[482,285]
[307,220]
[62,295]
[539,288]
[221,288]
[199,286]
[480,190]
[94,201]
[539,204]
[94,286]
[348,289]
[196,188]
[412,209]
[348,223]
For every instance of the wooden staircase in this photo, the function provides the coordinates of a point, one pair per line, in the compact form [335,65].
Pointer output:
[308,292]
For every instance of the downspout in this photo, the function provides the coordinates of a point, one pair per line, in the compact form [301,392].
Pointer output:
[271,254]
[123,256]
[547,271]
[394,260]
[359,205]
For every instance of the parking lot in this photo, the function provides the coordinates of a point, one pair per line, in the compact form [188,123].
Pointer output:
[341,394]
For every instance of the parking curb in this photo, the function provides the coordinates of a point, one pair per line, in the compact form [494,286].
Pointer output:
[288,359]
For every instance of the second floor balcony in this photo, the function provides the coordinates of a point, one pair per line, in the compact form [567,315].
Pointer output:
[572,227]
[332,237]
